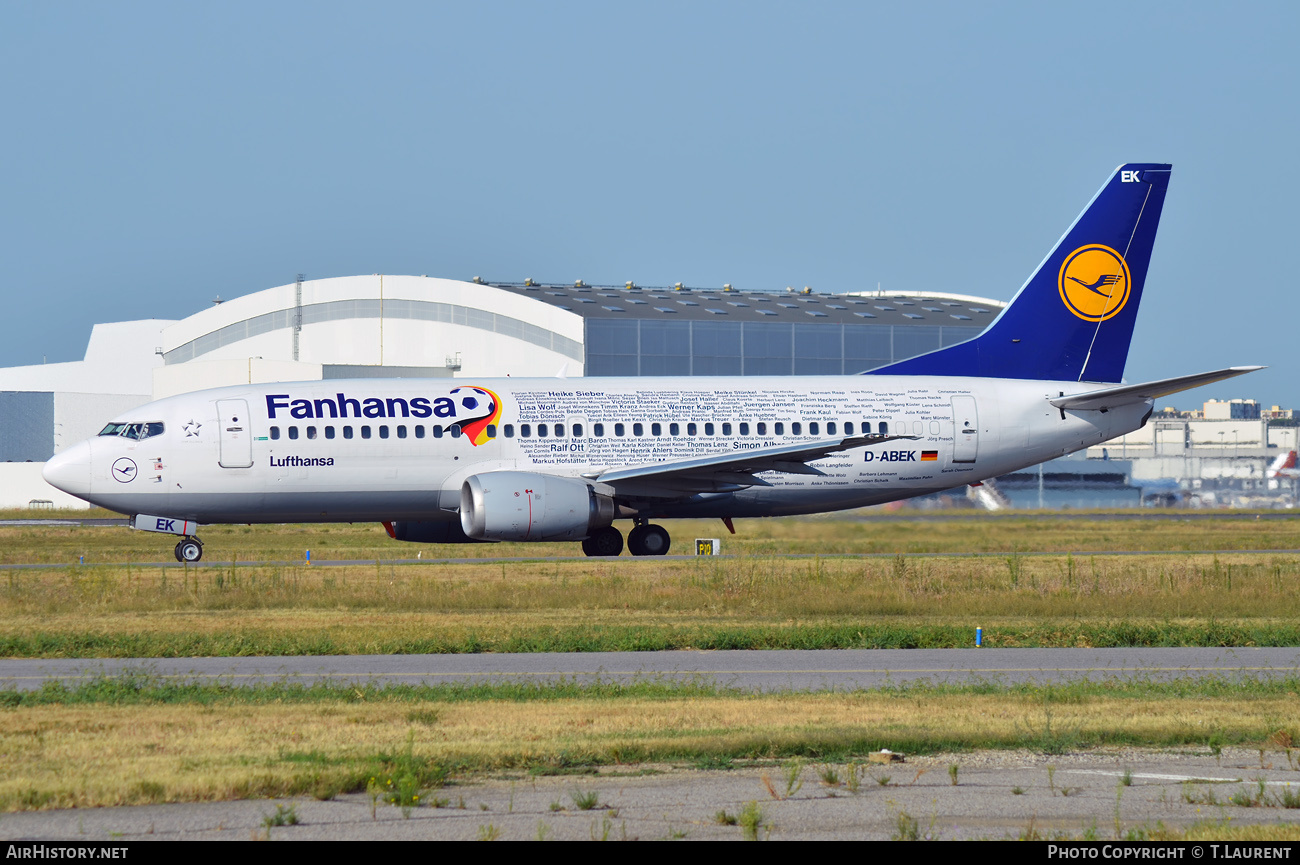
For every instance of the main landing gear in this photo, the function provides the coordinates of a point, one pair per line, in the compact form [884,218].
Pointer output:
[604,542]
[189,550]
[643,540]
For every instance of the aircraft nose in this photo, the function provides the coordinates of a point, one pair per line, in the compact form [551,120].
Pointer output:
[70,470]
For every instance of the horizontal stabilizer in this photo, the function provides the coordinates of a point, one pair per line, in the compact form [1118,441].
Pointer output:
[1132,394]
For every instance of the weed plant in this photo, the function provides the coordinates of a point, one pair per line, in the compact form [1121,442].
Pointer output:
[753,823]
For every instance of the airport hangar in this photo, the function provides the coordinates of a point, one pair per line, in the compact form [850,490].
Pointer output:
[416,326]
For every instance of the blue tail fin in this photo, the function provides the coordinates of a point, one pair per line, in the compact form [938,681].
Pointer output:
[1073,319]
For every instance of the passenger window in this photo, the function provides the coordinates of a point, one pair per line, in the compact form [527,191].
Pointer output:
[674,429]
[311,432]
[814,428]
[744,429]
[762,428]
[275,433]
[618,429]
[691,429]
[559,430]
[918,428]
[347,432]
[796,428]
[598,430]
[510,430]
[492,430]
[726,429]
[779,428]
[577,430]
[365,432]
[541,430]
[708,429]
[329,432]
[419,431]
[436,429]
[293,432]
[848,427]
[455,430]
[656,429]
[638,429]
[383,431]
[934,427]
[830,427]
[884,428]
[401,432]
[525,430]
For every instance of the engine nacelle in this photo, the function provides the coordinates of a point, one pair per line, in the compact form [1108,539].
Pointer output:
[522,506]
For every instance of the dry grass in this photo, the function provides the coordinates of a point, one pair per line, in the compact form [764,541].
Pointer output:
[834,534]
[90,755]
[1168,599]
[1225,585]
[1228,831]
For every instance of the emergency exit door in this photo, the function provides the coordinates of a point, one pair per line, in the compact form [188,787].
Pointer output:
[965,422]
[236,434]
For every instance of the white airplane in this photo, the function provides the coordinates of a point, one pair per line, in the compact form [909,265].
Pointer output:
[553,459]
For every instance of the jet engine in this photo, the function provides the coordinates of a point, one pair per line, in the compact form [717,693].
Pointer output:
[522,506]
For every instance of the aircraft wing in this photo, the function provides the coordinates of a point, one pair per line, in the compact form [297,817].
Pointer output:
[1131,394]
[729,471]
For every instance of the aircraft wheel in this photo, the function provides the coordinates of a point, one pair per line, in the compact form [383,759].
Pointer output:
[604,542]
[648,540]
[189,550]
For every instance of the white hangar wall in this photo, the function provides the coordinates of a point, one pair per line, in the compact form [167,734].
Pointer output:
[390,321]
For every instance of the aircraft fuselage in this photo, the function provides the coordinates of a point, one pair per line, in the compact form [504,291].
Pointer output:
[390,449]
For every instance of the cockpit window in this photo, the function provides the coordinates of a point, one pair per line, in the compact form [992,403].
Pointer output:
[138,431]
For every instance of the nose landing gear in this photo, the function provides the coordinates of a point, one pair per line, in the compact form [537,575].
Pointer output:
[189,550]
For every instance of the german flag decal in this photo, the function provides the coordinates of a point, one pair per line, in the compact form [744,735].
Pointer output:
[928,456]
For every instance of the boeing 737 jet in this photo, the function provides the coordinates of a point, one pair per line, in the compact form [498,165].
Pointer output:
[554,459]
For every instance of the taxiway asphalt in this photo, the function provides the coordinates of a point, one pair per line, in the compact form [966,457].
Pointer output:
[752,671]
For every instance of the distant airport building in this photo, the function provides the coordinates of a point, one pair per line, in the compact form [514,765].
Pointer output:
[415,326]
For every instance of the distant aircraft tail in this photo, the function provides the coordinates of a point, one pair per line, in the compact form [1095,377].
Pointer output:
[1284,466]
[1073,318]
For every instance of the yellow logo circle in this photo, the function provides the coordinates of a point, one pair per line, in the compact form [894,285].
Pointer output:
[1094,282]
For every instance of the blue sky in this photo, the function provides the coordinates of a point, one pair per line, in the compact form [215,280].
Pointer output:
[159,154]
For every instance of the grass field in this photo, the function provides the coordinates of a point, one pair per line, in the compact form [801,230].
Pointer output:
[133,740]
[754,599]
[833,534]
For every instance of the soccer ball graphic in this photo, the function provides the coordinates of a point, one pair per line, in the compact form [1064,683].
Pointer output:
[476,402]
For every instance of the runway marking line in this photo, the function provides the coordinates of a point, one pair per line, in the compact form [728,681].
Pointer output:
[1193,779]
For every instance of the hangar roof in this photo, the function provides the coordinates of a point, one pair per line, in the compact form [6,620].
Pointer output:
[612,302]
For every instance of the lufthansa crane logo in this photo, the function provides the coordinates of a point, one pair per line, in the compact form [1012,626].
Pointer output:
[1094,282]
[124,470]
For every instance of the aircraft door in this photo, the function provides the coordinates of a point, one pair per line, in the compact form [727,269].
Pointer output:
[236,434]
[965,422]
[578,431]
